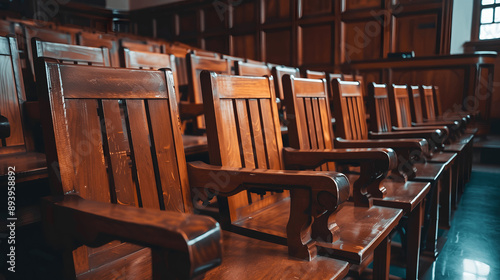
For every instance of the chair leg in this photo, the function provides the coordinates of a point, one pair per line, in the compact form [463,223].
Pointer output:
[430,229]
[382,260]
[445,199]
[413,235]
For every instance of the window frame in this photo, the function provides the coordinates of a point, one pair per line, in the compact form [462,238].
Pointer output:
[476,19]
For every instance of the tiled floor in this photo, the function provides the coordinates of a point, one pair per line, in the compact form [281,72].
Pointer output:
[472,251]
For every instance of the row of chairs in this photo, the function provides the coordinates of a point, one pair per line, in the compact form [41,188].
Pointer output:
[243,130]
[239,112]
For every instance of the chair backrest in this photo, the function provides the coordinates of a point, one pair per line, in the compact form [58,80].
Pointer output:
[205,53]
[349,110]
[437,101]
[415,104]
[278,73]
[101,40]
[140,45]
[71,54]
[380,109]
[47,35]
[232,61]
[243,130]
[427,96]
[179,51]
[151,61]
[12,96]
[310,74]
[400,106]
[196,64]
[309,125]
[112,135]
[252,69]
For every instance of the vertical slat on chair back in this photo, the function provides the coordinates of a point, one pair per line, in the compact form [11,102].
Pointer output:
[401,111]
[72,54]
[427,95]
[349,110]
[98,40]
[437,101]
[309,116]
[252,69]
[12,95]
[242,128]
[310,74]
[278,73]
[112,135]
[196,64]
[151,61]
[380,112]
[415,104]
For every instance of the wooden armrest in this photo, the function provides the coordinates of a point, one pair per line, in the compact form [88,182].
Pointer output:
[4,127]
[190,110]
[451,125]
[409,151]
[190,244]
[443,129]
[413,144]
[227,181]
[309,159]
[314,196]
[374,166]
[435,137]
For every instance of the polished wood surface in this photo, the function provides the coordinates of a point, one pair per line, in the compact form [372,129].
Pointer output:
[12,98]
[126,151]
[195,65]
[98,40]
[252,69]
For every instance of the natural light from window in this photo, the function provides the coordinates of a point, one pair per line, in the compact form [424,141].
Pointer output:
[489,27]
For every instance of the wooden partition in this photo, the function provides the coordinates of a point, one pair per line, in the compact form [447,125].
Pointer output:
[312,34]
[465,81]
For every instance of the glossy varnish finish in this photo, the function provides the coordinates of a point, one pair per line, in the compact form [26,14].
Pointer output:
[13,96]
[119,164]
[196,64]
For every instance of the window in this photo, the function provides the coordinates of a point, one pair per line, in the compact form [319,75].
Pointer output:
[489,25]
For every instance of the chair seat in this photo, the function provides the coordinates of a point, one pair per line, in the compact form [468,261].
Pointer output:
[357,239]
[402,195]
[247,258]
[427,172]
[29,166]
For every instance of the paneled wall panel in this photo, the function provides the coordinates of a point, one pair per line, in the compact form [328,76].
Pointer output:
[316,44]
[278,46]
[410,31]
[319,34]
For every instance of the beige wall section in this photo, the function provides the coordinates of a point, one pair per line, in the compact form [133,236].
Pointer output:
[127,5]
[122,5]
[461,25]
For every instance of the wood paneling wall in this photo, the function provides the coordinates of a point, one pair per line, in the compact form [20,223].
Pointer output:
[313,34]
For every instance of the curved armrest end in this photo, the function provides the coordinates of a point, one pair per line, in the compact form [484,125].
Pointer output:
[74,221]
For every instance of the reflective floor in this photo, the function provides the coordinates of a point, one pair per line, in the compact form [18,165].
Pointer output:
[472,251]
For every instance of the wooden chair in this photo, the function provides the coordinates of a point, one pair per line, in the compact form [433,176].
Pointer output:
[378,98]
[135,158]
[310,74]
[98,40]
[310,130]
[278,73]
[47,35]
[405,116]
[252,69]
[351,125]
[17,147]
[179,51]
[204,53]
[196,64]
[243,130]
[232,61]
